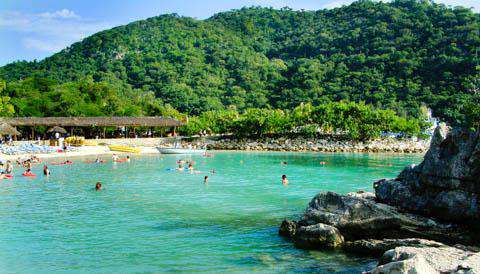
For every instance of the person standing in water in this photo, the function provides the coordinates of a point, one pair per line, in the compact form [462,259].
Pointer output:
[46,171]
[284,180]
[98,186]
[9,167]
[205,180]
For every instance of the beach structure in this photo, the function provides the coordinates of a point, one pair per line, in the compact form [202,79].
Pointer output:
[6,129]
[73,122]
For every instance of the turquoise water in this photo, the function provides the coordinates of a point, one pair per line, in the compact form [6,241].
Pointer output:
[148,219]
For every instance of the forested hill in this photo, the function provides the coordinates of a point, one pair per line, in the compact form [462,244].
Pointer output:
[394,55]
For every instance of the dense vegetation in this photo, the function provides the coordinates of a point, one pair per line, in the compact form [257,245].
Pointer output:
[399,55]
[353,120]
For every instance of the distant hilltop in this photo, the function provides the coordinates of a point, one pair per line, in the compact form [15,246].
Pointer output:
[398,55]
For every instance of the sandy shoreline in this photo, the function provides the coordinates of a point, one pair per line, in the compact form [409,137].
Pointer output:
[83,151]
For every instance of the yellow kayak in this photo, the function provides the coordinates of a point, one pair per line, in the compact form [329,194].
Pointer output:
[124,149]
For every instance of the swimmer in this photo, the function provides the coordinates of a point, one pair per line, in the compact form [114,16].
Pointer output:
[190,167]
[323,163]
[97,160]
[28,172]
[180,168]
[284,180]
[46,171]
[114,157]
[205,180]
[98,186]
[212,171]
[284,163]
[128,159]
[68,162]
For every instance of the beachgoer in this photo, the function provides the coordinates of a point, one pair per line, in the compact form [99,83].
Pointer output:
[128,158]
[180,168]
[46,171]
[205,180]
[28,172]
[284,163]
[190,167]
[28,164]
[284,180]
[98,186]
[9,167]
[114,157]
[212,171]
[97,160]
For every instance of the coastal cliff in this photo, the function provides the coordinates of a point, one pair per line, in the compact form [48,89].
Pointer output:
[424,221]
[446,185]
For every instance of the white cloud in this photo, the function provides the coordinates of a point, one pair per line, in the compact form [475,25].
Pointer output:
[42,45]
[50,31]
[63,13]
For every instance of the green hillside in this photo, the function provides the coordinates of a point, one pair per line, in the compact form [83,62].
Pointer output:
[396,55]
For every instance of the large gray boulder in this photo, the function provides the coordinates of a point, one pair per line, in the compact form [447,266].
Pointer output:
[446,185]
[363,218]
[357,218]
[318,236]
[443,259]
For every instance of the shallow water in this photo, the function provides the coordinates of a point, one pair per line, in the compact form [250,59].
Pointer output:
[149,219]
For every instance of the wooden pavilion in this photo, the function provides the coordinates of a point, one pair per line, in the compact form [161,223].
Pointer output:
[72,122]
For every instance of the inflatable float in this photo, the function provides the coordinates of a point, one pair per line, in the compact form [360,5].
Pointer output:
[124,149]
[29,174]
[122,160]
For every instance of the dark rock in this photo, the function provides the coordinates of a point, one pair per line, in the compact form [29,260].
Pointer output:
[360,218]
[378,247]
[446,185]
[318,236]
[288,228]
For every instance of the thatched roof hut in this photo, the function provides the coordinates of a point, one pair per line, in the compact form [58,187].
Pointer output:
[57,129]
[92,121]
[6,129]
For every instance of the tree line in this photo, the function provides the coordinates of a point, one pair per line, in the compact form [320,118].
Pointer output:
[355,121]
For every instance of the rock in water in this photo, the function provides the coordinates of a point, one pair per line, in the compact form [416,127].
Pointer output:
[318,236]
[379,247]
[362,218]
[446,185]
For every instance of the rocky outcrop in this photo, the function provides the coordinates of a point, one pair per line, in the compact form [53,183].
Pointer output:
[416,220]
[357,218]
[441,259]
[379,247]
[446,185]
[322,145]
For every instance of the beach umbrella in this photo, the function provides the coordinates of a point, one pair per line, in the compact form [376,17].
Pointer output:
[58,129]
[6,129]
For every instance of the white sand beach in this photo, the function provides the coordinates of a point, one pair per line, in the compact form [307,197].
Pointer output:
[81,151]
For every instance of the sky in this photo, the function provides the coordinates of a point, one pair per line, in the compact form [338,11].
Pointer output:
[35,29]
